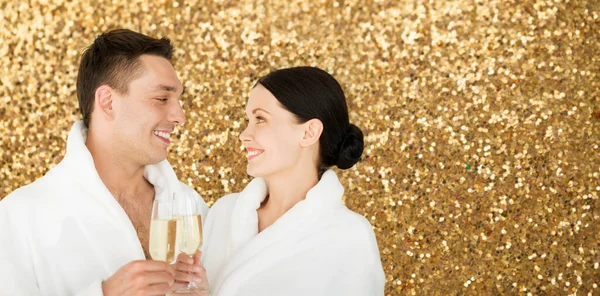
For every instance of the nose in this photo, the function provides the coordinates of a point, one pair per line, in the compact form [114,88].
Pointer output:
[176,114]
[246,134]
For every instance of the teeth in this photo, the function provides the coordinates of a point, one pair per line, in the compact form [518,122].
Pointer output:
[252,153]
[162,134]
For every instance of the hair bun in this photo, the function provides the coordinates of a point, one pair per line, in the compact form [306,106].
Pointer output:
[351,148]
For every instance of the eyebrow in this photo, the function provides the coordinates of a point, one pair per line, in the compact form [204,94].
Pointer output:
[168,88]
[260,109]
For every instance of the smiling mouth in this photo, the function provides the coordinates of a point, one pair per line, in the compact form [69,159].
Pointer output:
[163,136]
[254,153]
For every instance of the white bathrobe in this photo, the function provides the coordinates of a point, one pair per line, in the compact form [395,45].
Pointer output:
[65,233]
[319,247]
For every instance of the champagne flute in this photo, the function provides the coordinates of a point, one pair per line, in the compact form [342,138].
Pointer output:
[189,230]
[163,231]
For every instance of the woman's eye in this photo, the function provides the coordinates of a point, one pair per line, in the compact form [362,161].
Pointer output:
[163,99]
[260,119]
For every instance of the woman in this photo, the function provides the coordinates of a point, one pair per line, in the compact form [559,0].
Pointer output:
[287,232]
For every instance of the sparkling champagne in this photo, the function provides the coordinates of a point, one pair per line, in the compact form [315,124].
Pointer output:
[162,239]
[189,233]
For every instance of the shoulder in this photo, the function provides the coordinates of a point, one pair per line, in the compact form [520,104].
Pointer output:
[19,208]
[36,193]
[353,220]
[353,246]
[220,213]
[225,203]
[355,229]
[221,210]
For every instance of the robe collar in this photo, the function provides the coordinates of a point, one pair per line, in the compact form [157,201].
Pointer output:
[160,175]
[327,193]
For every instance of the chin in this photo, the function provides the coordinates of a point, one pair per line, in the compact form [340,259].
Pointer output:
[250,172]
[253,172]
[154,159]
[157,161]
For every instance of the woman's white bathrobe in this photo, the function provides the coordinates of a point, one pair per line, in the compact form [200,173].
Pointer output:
[318,247]
[65,233]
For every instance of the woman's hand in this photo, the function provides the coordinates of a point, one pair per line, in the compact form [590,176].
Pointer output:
[189,269]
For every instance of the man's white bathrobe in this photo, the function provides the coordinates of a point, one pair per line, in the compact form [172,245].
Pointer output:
[319,247]
[65,233]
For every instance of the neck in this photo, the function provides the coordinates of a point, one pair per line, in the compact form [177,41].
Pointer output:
[283,194]
[122,178]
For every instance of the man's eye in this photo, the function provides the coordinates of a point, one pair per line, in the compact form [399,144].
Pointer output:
[163,99]
[260,119]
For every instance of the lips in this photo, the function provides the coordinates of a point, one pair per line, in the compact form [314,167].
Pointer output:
[163,136]
[253,153]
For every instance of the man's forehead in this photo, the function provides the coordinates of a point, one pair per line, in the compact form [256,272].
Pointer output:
[159,76]
[157,64]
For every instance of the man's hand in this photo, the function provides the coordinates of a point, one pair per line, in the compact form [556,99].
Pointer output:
[144,277]
[189,269]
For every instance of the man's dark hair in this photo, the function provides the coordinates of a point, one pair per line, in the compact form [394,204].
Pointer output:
[113,59]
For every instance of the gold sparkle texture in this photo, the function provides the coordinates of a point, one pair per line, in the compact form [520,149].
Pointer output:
[481,171]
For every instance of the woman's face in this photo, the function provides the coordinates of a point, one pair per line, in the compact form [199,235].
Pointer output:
[272,137]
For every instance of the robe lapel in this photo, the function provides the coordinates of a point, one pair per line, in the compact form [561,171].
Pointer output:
[81,165]
[248,245]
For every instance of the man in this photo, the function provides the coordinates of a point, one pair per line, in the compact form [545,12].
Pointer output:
[83,228]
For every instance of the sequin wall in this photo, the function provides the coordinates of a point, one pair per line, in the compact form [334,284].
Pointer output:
[482,120]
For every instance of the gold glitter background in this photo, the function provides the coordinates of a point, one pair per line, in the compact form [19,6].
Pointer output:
[482,119]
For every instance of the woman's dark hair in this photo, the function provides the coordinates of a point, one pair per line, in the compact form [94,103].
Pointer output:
[310,92]
[113,59]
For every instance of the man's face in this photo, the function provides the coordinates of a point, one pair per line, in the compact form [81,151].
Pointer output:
[148,113]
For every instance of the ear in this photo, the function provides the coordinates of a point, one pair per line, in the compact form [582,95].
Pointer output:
[312,132]
[103,101]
